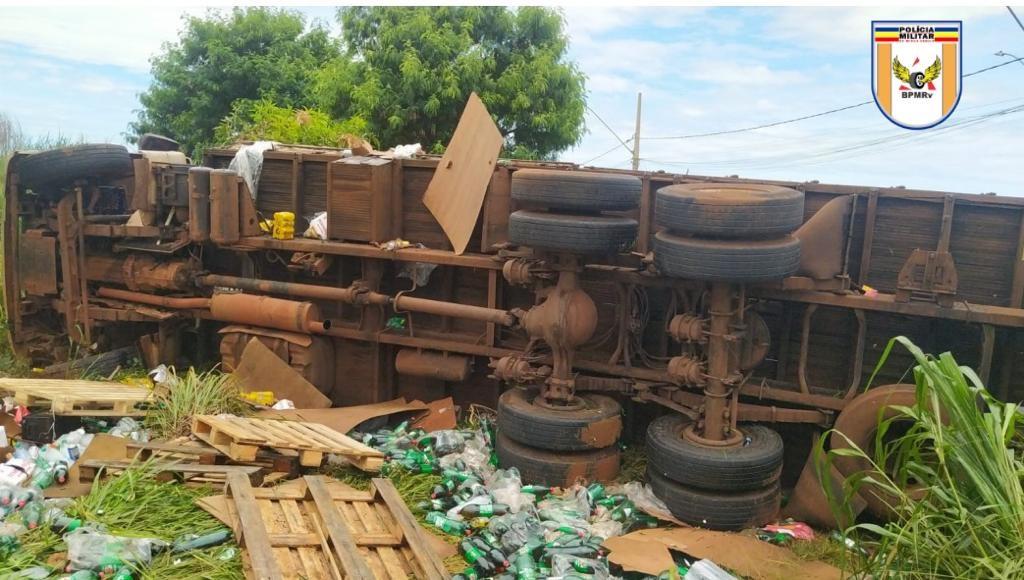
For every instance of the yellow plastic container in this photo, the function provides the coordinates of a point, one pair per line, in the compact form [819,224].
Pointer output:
[265,398]
[284,225]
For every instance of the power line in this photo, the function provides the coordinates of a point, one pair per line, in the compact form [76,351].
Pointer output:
[588,162]
[805,117]
[822,155]
[1014,14]
[610,130]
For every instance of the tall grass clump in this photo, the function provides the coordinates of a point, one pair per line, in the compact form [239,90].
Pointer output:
[966,519]
[193,393]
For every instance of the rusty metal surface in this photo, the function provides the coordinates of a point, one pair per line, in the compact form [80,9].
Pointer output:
[152,300]
[433,364]
[140,272]
[225,224]
[928,275]
[37,264]
[264,311]
[199,204]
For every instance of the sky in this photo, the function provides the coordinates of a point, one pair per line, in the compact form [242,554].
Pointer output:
[78,71]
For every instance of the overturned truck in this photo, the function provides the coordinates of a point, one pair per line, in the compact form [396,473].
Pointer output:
[734,319]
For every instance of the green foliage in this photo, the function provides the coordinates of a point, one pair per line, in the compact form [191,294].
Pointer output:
[409,71]
[961,450]
[264,120]
[192,394]
[248,53]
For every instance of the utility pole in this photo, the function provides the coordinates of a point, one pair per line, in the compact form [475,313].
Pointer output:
[636,134]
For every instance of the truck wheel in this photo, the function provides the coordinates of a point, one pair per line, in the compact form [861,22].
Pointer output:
[717,510]
[557,468]
[753,465]
[576,190]
[585,234]
[595,424]
[726,260]
[858,421]
[60,167]
[729,210]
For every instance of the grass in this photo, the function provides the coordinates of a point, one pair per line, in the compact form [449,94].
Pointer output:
[961,450]
[190,394]
[136,504]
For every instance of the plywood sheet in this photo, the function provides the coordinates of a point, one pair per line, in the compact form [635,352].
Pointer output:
[456,192]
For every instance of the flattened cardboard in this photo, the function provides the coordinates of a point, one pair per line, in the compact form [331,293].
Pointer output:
[635,555]
[440,415]
[745,555]
[344,419]
[261,370]
[456,192]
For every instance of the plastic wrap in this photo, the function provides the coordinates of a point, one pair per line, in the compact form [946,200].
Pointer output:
[89,549]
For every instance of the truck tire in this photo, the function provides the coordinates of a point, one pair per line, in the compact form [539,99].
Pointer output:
[557,468]
[754,465]
[596,425]
[576,190]
[61,167]
[726,260]
[718,510]
[729,210]
[584,234]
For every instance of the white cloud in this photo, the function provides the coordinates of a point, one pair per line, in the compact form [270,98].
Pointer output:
[125,36]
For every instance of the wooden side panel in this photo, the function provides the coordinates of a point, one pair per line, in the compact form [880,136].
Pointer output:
[275,186]
[984,246]
[901,227]
[313,182]
[360,378]
[418,224]
[360,188]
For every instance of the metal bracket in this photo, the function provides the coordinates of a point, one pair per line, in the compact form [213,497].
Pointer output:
[928,275]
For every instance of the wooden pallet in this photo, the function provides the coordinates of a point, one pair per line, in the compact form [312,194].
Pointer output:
[184,450]
[78,398]
[240,439]
[186,473]
[316,527]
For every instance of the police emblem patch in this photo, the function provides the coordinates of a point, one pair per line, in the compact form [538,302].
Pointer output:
[916,72]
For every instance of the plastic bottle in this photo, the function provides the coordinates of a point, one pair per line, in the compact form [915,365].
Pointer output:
[6,495]
[469,573]
[32,514]
[477,558]
[446,525]
[495,555]
[707,570]
[484,510]
[526,567]
[23,496]
[537,490]
[60,472]
[124,573]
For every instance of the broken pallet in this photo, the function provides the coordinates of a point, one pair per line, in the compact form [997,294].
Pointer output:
[240,439]
[316,527]
[78,398]
[186,473]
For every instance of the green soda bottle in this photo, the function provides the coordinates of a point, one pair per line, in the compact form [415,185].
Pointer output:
[537,490]
[469,573]
[477,558]
[32,514]
[446,525]
[526,567]
[484,510]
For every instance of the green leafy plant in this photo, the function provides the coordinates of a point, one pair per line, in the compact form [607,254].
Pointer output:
[264,120]
[966,517]
[193,393]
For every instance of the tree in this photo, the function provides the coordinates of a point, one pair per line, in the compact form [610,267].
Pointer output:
[248,53]
[263,120]
[409,71]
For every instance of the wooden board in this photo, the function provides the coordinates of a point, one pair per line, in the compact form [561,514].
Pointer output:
[456,192]
[195,473]
[74,397]
[240,438]
[317,527]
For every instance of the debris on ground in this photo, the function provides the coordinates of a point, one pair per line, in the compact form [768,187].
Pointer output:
[87,503]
